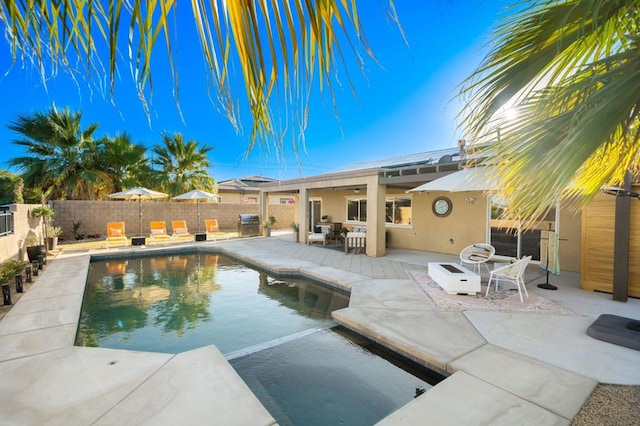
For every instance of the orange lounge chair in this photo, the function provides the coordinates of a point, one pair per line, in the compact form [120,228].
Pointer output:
[212,228]
[117,267]
[159,231]
[116,233]
[180,229]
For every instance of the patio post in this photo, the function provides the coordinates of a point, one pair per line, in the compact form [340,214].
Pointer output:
[303,214]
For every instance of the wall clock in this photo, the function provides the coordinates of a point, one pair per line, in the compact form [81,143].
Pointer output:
[442,206]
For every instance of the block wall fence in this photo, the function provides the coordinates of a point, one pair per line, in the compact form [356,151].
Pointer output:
[94,216]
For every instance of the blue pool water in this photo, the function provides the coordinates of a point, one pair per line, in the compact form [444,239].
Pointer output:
[177,303]
[276,332]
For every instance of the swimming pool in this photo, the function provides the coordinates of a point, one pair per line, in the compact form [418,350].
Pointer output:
[181,302]
[276,332]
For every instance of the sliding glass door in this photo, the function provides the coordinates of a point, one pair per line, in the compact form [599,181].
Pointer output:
[508,237]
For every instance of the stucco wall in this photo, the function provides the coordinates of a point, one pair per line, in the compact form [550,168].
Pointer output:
[237,197]
[13,245]
[466,224]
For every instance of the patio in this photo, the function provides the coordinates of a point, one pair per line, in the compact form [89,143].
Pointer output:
[505,366]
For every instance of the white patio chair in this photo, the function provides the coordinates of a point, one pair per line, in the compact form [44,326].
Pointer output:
[513,272]
[319,237]
[476,255]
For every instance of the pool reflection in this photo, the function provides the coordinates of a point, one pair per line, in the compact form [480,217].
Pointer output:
[180,302]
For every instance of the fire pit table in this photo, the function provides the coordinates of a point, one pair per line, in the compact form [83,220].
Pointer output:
[454,279]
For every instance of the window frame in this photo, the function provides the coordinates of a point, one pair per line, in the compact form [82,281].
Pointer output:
[393,199]
[360,213]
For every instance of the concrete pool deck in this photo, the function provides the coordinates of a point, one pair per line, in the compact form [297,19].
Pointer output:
[505,368]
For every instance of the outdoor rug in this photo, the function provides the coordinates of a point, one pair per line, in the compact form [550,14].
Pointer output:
[499,301]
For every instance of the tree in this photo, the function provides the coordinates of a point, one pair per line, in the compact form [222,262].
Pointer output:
[62,158]
[183,165]
[278,46]
[11,187]
[561,89]
[125,162]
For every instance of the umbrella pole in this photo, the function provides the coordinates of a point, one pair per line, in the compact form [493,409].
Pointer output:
[140,210]
[198,210]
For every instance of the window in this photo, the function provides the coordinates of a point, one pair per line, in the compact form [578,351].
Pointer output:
[398,210]
[357,209]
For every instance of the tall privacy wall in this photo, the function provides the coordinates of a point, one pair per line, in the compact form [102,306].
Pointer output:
[94,215]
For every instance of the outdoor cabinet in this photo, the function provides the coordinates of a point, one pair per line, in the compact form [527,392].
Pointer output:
[598,225]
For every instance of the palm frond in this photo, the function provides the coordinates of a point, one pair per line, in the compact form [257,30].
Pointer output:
[280,47]
[570,71]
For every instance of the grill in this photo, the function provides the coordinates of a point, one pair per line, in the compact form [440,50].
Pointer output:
[248,225]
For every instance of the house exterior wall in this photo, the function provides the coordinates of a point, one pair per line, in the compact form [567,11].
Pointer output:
[12,246]
[230,197]
[466,224]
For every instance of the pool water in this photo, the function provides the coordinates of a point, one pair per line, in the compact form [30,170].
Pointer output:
[331,377]
[177,303]
[277,333]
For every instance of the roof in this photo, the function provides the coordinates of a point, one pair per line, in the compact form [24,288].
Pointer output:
[428,157]
[248,183]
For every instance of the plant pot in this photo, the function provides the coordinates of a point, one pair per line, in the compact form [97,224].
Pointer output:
[34,251]
[267,232]
[52,243]
[296,235]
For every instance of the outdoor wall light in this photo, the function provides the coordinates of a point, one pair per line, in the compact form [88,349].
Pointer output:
[470,200]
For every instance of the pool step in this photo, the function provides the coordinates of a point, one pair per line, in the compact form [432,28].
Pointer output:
[275,342]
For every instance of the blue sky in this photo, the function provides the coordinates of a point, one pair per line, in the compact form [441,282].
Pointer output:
[404,105]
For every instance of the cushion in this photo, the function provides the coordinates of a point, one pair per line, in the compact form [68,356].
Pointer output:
[213,229]
[617,330]
[181,230]
[115,232]
[317,229]
[479,255]
[157,232]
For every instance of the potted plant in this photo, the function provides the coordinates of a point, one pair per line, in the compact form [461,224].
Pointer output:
[45,213]
[296,231]
[267,224]
[266,227]
[53,232]
[324,218]
[35,246]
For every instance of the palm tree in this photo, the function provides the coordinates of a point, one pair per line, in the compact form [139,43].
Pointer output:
[62,158]
[561,90]
[183,165]
[125,162]
[278,46]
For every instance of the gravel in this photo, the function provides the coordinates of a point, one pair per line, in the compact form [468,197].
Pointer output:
[613,405]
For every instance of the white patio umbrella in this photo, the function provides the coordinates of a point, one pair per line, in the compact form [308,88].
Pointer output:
[197,195]
[139,194]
